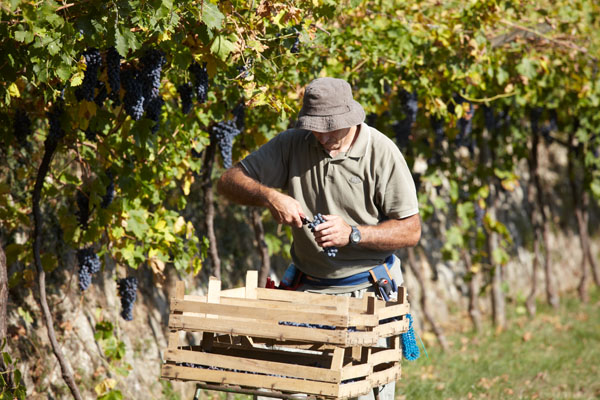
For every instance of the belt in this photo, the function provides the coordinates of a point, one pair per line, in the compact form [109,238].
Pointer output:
[379,275]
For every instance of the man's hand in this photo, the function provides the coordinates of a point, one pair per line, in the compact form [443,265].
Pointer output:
[334,232]
[285,209]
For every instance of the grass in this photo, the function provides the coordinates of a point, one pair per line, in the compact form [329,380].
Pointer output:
[555,355]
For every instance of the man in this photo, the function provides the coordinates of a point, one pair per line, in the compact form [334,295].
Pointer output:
[334,164]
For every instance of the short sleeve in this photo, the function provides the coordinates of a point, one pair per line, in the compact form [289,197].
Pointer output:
[397,188]
[268,165]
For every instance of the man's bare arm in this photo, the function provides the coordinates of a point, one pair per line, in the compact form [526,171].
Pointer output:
[237,186]
[392,234]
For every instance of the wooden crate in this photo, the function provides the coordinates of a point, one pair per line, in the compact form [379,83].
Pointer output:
[285,342]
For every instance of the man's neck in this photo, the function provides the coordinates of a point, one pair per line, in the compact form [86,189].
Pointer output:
[349,140]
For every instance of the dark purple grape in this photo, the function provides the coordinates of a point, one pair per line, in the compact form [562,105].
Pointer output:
[21,126]
[152,63]
[109,196]
[127,288]
[113,66]
[319,219]
[93,62]
[186,93]
[134,97]
[224,132]
[89,264]
[200,81]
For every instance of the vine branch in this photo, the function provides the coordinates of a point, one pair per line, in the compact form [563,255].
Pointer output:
[67,374]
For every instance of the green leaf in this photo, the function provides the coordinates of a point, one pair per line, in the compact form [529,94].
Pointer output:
[212,16]
[137,223]
[222,47]
[125,40]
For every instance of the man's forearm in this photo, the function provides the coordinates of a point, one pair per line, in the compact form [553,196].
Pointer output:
[238,187]
[392,234]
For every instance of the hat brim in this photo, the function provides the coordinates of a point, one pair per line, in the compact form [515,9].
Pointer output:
[328,123]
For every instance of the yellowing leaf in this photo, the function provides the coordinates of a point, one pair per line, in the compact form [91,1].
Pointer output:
[105,386]
[179,225]
[77,79]
[160,225]
[13,90]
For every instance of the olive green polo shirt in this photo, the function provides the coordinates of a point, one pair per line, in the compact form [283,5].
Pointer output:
[366,185]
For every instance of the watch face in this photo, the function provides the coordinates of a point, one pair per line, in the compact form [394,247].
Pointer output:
[355,237]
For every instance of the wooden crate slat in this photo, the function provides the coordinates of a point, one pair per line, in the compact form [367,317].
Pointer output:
[307,298]
[251,365]
[388,375]
[392,328]
[259,313]
[251,328]
[354,389]
[242,379]
[393,311]
[356,371]
[385,356]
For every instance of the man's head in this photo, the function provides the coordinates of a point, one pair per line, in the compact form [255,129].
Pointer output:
[328,106]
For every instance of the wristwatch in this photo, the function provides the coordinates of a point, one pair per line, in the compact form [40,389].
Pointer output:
[354,235]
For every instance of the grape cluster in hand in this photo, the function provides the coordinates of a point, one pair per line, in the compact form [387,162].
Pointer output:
[89,264]
[127,288]
[318,219]
[93,62]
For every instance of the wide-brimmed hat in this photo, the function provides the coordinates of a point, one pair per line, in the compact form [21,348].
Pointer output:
[328,106]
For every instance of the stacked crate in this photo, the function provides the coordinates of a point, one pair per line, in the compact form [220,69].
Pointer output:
[279,342]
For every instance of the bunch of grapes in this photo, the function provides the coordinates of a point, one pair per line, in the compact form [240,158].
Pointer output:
[224,132]
[91,135]
[113,69]
[200,81]
[296,46]
[465,125]
[410,107]
[102,94]
[239,115]
[21,126]
[56,131]
[489,118]
[318,219]
[134,96]
[152,63]
[83,209]
[153,111]
[186,92]
[109,196]
[127,288]
[93,62]
[89,264]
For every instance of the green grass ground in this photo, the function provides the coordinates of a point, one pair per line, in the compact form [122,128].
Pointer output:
[553,356]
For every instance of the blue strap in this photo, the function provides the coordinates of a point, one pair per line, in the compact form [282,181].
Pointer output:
[380,271]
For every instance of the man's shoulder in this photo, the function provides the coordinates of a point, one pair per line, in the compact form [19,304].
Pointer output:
[293,134]
[381,143]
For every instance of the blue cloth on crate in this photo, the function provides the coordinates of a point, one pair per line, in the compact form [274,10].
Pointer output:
[410,349]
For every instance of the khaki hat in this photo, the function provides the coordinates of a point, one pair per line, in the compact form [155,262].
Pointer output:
[328,106]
